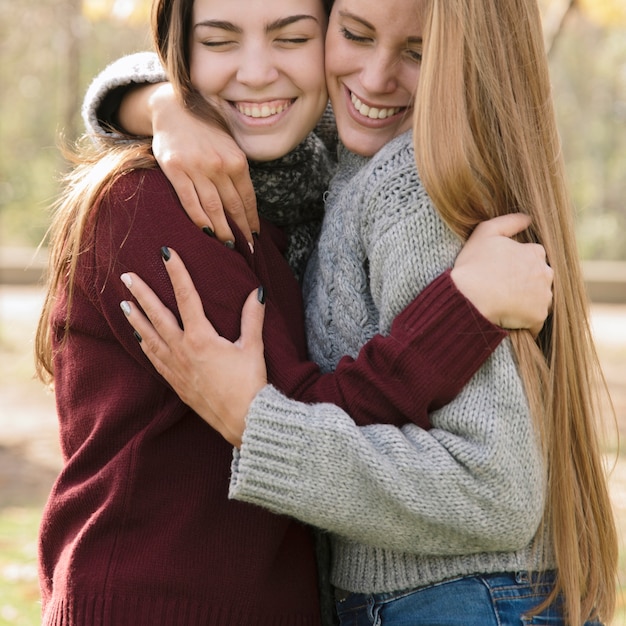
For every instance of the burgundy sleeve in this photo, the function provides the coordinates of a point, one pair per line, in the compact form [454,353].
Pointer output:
[434,347]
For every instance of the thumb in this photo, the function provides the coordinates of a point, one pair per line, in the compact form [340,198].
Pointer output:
[252,317]
[505,225]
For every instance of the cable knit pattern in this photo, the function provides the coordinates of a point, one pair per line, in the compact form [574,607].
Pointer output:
[406,507]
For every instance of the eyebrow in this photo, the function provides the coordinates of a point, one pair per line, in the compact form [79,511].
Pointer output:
[287,21]
[360,20]
[269,28]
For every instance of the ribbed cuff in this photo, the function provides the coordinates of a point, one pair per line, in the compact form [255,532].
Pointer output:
[447,325]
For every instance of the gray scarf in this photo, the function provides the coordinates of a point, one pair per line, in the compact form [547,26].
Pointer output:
[290,194]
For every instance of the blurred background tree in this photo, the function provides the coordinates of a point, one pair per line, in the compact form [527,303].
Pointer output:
[50,50]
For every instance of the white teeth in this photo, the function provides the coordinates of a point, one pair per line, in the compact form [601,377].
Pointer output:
[261,110]
[373,113]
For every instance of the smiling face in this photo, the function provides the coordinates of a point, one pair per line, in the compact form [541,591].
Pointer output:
[261,62]
[373,55]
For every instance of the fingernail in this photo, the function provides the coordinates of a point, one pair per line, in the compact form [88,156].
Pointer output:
[165,253]
[230,244]
[126,279]
[125,306]
[255,234]
[137,336]
[251,247]
[209,231]
[260,294]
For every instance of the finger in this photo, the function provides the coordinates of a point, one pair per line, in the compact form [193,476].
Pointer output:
[212,197]
[504,225]
[252,317]
[151,342]
[234,207]
[237,171]
[159,320]
[189,197]
[187,298]
[245,191]
[213,208]
[152,345]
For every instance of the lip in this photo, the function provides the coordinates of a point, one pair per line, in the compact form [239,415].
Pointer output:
[372,122]
[261,112]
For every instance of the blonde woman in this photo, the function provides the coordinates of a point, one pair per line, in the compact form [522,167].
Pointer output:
[408,548]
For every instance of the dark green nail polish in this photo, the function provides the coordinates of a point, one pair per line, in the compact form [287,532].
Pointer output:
[165,253]
[255,234]
[208,231]
[260,294]
[230,244]
[137,336]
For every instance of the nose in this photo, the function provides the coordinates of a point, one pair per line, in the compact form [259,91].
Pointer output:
[380,73]
[257,67]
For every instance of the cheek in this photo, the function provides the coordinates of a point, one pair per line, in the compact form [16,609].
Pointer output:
[411,79]
[333,56]
[313,77]
[206,77]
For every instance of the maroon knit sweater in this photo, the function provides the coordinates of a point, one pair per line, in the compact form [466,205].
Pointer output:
[138,529]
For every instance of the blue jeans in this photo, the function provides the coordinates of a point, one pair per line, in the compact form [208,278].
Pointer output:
[484,600]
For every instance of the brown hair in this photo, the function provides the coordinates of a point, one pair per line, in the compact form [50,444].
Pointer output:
[95,171]
[171,35]
[485,88]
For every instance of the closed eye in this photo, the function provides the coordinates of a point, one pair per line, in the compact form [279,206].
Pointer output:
[348,34]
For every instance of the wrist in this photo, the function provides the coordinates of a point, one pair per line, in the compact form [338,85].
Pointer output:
[475,293]
[140,107]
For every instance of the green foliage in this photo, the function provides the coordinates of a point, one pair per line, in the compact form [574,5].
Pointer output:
[19,593]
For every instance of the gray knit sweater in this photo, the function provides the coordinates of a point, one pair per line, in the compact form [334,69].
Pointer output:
[405,507]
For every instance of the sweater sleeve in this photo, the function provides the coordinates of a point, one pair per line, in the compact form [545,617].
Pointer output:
[435,345]
[105,93]
[473,483]
[371,388]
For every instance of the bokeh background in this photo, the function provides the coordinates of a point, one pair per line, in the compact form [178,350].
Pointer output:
[50,50]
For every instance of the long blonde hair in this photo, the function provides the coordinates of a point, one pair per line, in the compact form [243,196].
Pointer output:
[487,143]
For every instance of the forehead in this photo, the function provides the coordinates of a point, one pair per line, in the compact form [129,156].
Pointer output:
[400,18]
[249,10]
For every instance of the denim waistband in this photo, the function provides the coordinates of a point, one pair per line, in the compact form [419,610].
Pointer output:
[497,580]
